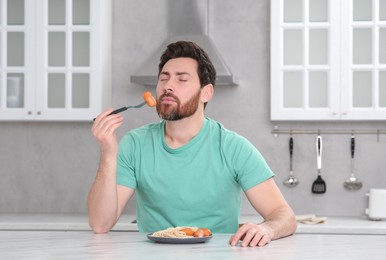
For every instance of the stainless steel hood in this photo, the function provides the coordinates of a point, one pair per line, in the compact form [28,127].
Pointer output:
[187,20]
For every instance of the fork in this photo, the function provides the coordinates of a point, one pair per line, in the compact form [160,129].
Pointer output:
[119,110]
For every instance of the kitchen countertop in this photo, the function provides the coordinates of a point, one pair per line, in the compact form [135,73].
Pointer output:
[135,245]
[76,222]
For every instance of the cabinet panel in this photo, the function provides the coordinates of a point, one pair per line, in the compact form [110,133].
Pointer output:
[56,90]
[362,89]
[15,90]
[56,12]
[382,45]
[293,46]
[318,91]
[293,11]
[80,90]
[318,46]
[362,69]
[318,10]
[15,12]
[81,49]
[15,49]
[382,10]
[329,60]
[15,75]
[382,89]
[81,12]
[362,10]
[362,46]
[293,89]
[57,62]
[56,49]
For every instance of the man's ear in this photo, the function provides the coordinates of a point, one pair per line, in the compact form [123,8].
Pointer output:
[207,93]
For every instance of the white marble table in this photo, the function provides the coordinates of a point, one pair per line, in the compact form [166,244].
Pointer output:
[134,245]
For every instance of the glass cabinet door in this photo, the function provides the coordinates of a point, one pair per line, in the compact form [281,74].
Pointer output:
[55,59]
[68,62]
[366,63]
[328,60]
[306,40]
[13,59]
[303,70]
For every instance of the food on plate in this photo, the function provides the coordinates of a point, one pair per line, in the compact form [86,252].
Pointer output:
[150,100]
[188,231]
[202,232]
[183,232]
[174,232]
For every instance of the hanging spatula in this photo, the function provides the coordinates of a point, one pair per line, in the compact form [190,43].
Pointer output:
[319,185]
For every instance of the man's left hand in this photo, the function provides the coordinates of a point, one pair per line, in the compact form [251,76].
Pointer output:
[252,235]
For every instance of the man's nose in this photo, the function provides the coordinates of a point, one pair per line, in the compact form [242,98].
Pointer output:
[169,86]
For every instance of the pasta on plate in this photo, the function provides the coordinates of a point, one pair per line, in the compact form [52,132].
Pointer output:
[174,232]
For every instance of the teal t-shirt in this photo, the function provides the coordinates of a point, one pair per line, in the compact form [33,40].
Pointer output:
[198,184]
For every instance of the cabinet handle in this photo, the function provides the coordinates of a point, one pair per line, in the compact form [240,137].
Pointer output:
[29,113]
[39,113]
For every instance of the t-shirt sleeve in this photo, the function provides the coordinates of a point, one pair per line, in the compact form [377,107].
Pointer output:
[250,168]
[125,162]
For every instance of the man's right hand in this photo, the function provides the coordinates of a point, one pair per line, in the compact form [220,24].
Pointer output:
[103,130]
[103,197]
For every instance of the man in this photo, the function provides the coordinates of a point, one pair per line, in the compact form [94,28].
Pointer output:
[187,169]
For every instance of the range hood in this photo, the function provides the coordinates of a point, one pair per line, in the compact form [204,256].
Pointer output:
[188,21]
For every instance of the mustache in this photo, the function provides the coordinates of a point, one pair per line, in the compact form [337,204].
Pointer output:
[168,94]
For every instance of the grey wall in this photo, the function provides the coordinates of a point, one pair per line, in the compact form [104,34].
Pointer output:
[49,167]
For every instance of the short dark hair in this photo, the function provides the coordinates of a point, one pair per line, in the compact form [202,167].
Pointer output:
[187,49]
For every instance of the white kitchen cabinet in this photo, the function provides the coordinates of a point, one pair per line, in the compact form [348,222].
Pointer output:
[55,59]
[328,60]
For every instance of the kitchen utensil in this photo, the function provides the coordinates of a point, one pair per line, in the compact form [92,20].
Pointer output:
[149,100]
[319,185]
[291,181]
[352,183]
[119,110]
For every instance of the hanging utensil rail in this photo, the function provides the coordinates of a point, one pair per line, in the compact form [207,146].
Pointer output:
[276,131]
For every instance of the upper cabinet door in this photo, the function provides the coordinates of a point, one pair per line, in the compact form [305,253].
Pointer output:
[312,42]
[364,60]
[16,61]
[59,58]
[66,34]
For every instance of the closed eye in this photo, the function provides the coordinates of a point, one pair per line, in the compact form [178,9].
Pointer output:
[163,77]
[184,78]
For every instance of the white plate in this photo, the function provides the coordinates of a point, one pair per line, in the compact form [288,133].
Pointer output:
[181,240]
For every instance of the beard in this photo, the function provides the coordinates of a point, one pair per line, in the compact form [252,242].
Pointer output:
[171,112]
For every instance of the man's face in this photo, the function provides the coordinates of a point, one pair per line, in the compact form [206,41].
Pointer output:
[178,89]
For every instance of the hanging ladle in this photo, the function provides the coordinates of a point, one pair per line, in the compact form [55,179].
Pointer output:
[352,183]
[291,181]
